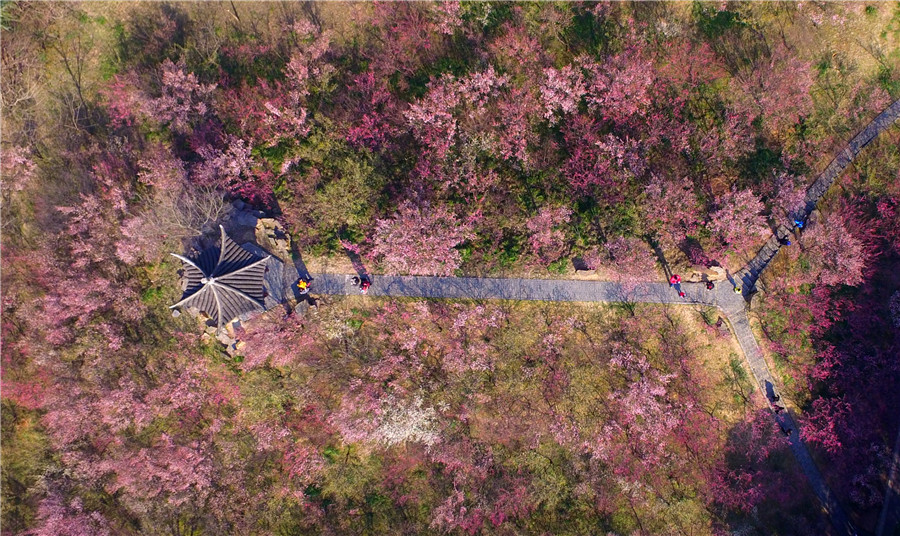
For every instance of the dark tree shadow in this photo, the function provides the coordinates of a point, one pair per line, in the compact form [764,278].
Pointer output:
[357,263]
[660,256]
[580,265]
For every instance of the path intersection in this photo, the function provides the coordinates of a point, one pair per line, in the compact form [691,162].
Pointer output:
[723,297]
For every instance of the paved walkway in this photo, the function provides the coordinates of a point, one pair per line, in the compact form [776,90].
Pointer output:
[484,288]
[750,273]
[723,297]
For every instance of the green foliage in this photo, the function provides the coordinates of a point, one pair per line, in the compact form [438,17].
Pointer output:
[738,381]
[889,80]
[345,195]
[510,249]
[758,165]
[417,83]
[715,23]
[152,296]
[268,66]
[588,33]
[558,267]
[489,15]
[25,449]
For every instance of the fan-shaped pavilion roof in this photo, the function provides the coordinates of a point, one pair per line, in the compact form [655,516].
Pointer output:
[224,282]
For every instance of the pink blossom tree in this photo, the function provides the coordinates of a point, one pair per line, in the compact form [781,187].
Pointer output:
[630,260]
[671,209]
[776,86]
[420,240]
[59,516]
[619,87]
[547,235]
[836,256]
[18,169]
[599,164]
[562,91]
[376,113]
[184,100]
[738,221]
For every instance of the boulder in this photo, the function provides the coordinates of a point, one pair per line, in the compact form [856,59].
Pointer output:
[701,273]
[245,219]
[719,272]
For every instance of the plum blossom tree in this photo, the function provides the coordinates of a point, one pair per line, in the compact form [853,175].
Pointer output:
[548,238]
[277,342]
[408,37]
[790,196]
[619,87]
[599,164]
[642,408]
[738,219]
[167,470]
[235,170]
[287,115]
[184,100]
[18,169]
[58,516]
[836,256]
[376,114]
[671,209]
[370,415]
[436,118]
[562,91]
[776,86]
[420,240]
[517,52]
[630,259]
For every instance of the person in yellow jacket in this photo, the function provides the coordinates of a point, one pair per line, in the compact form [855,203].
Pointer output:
[303,286]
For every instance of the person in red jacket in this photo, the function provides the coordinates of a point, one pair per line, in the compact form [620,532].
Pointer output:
[675,279]
[364,286]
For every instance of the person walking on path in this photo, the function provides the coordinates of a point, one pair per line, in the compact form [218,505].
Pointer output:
[303,286]
[737,289]
[674,280]
[710,285]
[784,241]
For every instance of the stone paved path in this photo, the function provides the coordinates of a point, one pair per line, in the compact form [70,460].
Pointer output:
[478,288]
[723,297]
[749,275]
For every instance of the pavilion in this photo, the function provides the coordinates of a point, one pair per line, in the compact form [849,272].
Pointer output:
[225,282]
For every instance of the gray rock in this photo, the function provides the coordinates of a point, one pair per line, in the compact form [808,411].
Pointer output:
[245,219]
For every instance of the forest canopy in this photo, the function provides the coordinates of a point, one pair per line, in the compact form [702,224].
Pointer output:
[452,138]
